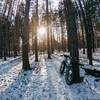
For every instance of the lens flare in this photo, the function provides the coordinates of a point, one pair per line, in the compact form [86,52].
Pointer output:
[41,32]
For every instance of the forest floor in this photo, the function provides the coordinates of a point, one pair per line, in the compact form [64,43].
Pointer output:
[44,81]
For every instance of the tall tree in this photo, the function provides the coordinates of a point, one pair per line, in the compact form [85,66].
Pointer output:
[61,15]
[1,39]
[17,33]
[36,44]
[81,27]
[88,31]
[48,35]
[25,37]
[72,35]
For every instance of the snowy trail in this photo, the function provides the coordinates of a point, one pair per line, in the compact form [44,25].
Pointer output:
[57,87]
[42,83]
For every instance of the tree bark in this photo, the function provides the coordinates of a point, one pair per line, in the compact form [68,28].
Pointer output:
[25,38]
[72,35]
[48,35]
[88,33]
[36,41]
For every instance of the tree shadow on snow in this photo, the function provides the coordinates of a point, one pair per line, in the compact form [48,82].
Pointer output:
[16,90]
[6,68]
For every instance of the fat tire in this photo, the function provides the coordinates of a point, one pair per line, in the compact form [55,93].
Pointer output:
[69,75]
[62,68]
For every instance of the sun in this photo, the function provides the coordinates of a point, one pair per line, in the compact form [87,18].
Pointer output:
[41,31]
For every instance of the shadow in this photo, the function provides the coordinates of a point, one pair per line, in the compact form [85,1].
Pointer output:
[72,92]
[52,88]
[5,68]
[18,86]
[56,85]
[41,87]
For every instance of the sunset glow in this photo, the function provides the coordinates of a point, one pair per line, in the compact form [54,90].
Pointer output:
[41,31]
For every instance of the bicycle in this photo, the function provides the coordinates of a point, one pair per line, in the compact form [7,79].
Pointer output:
[66,67]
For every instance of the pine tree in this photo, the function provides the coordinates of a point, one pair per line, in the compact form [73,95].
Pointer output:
[25,38]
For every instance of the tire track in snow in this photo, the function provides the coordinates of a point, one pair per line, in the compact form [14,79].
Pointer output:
[57,86]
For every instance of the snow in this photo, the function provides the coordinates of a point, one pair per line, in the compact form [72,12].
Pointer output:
[44,82]
[9,60]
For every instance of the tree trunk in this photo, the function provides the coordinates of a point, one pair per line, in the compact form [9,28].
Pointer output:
[25,38]
[1,39]
[88,33]
[82,29]
[36,41]
[62,36]
[48,35]
[72,35]
[4,40]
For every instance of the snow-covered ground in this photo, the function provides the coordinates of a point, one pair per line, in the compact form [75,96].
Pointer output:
[9,60]
[44,82]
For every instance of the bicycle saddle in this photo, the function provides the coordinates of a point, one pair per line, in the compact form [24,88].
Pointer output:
[66,56]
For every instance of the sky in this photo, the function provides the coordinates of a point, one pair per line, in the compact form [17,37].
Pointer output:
[55,3]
